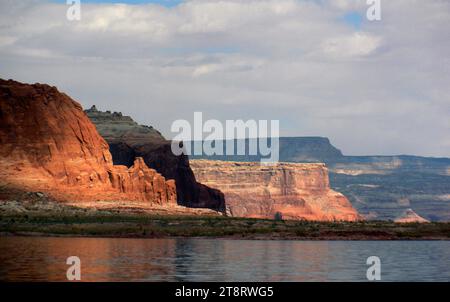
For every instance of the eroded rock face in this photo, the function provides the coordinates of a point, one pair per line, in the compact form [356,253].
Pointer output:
[139,182]
[128,140]
[284,190]
[48,143]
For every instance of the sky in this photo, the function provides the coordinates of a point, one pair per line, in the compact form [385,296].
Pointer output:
[318,66]
[166,3]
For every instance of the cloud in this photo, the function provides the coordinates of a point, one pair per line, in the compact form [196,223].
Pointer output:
[354,45]
[376,88]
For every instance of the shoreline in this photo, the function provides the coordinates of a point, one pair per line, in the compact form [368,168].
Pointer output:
[42,217]
[161,226]
[236,237]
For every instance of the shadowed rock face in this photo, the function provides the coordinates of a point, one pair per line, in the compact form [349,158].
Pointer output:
[122,154]
[128,140]
[190,192]
[286,191]
[48,143]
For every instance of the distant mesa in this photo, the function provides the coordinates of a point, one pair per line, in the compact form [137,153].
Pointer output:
[292,149]
[409,216]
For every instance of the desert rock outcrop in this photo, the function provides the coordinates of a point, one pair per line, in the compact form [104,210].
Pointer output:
[48,143]
[128,140]
[280,191]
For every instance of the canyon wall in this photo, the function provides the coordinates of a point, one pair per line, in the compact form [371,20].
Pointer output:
[284,190]
[128,140]
[48,143]
[379,187]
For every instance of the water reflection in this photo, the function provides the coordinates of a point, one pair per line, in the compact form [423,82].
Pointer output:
[41,259]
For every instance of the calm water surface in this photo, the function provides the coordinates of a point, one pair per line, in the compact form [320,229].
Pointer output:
[42,259]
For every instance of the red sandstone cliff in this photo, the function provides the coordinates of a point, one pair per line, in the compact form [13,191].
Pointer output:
[48,143]
[292,191]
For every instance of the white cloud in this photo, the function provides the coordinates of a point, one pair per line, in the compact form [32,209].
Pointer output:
[354,45]
[381,89]
[204,69]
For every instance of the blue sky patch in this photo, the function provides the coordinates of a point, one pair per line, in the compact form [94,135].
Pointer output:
[354,19]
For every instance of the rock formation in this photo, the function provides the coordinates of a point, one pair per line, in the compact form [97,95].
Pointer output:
[409,216]
[142,183]
[373,184]
[116,127]
[48,143]
[292,149]
[281,191]
[128,140]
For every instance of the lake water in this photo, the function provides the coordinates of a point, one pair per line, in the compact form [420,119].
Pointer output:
[42,259]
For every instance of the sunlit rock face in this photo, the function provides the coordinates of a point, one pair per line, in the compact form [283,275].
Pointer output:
[48,143]
[284,190]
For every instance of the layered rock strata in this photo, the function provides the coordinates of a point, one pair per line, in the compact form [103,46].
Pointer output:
[281,191]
